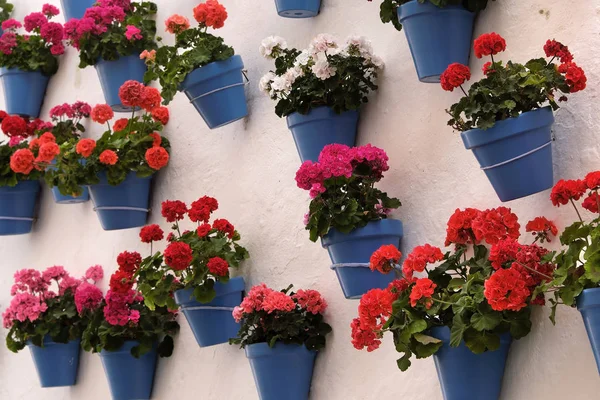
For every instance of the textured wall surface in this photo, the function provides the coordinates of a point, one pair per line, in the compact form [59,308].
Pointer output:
[249,167]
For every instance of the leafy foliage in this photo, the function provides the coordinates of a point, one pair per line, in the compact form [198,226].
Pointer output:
[6,9]
[7,176]
[388,11]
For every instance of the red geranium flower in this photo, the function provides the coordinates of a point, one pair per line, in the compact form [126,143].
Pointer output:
[489,44]
[85,147]
[552,48]
[161,114]
[542,228]
[47,152]
[496,224]
[459,230]
[102,113]
[565,191]
[574,75]
[131,93]
[129,261]
[486,68]
[211,13]
[108,157]
[506,290]
[150,98]
[418,259]
[173,210]
[455,75]
[424,288]
[224,226]
[201,209]
[22,161]
[503,252]
[13,125]
[217,266]
[592,180]
[121,282]
[385,258]
[591,202]
[151,233]
[203,230]
[157,157]
[120,124]
[178,255]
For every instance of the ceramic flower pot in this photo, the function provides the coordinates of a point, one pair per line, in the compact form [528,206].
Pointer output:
[129,377]
[282,372]
[123,206]
[298,8]
[217,91]
[212,323]
[320,127]
[350,254]
[588,303]
[56,363]
[17,207]
[113,74]
[24,91]
[437,37]
[75,8]
[465,375]
[516,154]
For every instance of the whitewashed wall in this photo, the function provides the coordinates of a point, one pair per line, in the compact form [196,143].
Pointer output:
[249,167]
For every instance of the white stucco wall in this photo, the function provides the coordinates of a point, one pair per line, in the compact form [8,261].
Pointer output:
[249,167]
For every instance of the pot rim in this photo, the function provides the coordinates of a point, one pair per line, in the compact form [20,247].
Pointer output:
[211,71]
[413,8]
[383,227]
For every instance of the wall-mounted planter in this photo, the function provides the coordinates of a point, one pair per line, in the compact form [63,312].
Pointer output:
[437,37]
[129,377]
[350,254]
[298,8]
[75,8]
[212,323]
[60,198]
[282,372]
[24,91]
[123,206]
[113,74]
[56,363]
[17,207]
[516,153]
[320,127]
[588,303]
[217,91]
[464,375]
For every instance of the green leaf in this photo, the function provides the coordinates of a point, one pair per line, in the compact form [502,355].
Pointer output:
[404,362]
[457,331]
[417,326]
[487,321]
[426,339]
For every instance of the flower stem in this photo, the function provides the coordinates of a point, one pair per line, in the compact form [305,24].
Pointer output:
[533,270]
[576,210]
[463,90]
[491,55]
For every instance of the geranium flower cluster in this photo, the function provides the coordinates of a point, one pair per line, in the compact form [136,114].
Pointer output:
[267,315]
[385,259]
[472,226]
[569,191]
[300,75]
[192,258]
[345,175]
[38,26]
[511,83]
[38,296]
[76,112]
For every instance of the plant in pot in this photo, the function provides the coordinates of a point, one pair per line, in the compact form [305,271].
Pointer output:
[506,118]
[577,276]
[195,266]
[6,9]
[118,167]
[28,60]
[202,66]
[298,8]
[43,315]
[439,32]
[320,89]
[24,164]
[466,310]
[76,8]
[282,333]
[67,127]
[128,334]
[349,214]
[111,36]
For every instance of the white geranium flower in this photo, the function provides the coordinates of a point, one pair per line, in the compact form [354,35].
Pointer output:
[322,69]
[265,83]
[281,84]
[322,43]
[378,62]
[302,59]
[269,45]
[360,43]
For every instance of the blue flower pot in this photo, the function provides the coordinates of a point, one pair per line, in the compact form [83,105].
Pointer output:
[129,377]
[56,363]
[588,303]
[320,127]
[212,323]
[62,199]
[113,74]
[123,206]
[516,153]
[350,254]
[298,8]
[465,375]
[23,91]
[282,372]
[17,207]
[75,8]
[217,91]
[437,37]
